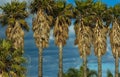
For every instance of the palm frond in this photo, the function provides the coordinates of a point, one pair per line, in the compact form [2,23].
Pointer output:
[42,4]
[41,28]
[15,10]
[114,37]
[24,24]
[11,63]
[100,37]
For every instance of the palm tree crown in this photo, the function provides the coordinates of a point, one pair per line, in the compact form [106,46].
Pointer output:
[41,26]
[13,15]
[42,22]
[115,35]
[62,16]
[62,13]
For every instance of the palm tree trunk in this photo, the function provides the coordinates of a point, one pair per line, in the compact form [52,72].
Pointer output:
[99,65]
[85,64]
[60,61]
[1,73]
[40,60]
[116,65]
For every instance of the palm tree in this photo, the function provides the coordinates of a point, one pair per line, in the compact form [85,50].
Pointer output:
[41,26]
[100,31]
[62,14]
[99,45]
[115,35]
[83,29]
[90,73]
[13,15]
[11,60]
[109,74]
[72,72]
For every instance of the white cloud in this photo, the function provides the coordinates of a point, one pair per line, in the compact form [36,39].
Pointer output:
[71,29]
[51,35]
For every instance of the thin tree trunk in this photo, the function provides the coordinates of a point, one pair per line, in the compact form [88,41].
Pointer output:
[85,64]
[60,61]
[40,60]
[99,65]
[1,73]
[116,64]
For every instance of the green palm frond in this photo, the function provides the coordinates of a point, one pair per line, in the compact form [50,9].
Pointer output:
[19,59]
[3,20]
[11,21]
[11,60]
[60,4]
[92,73]
[116,10]
[24,24]
[18,68]
[62,14]
[109,73]
[2,65]
[5,74]
[72,72]
[14,15]
[76,13]
[84,6]
[99,10]
[69,6]
[15,10]
[42,4]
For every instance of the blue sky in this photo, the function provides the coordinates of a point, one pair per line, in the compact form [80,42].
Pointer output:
[71,56]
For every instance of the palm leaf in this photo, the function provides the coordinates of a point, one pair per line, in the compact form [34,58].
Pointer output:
[24,24]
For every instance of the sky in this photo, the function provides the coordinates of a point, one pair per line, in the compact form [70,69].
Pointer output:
[71,57]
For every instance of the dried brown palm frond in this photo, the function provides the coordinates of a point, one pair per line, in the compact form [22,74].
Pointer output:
[115,38]
[61,30]
[77,27]
[16,35]
[100,37]
[41,29]
[83,38]
[14,14]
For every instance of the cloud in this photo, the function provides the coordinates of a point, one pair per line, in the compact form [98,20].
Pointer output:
[51,35]
[71,30]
